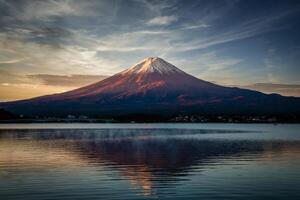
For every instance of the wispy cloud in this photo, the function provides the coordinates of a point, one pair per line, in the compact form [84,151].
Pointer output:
[208,66]
[162,20]
[45,10]
[250,28]
[190,27]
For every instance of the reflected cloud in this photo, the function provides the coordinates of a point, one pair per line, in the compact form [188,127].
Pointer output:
[36,155]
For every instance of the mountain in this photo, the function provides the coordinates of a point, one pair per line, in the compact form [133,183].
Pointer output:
[4,115]
[154,86]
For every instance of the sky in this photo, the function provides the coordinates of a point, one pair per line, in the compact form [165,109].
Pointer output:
[53,46]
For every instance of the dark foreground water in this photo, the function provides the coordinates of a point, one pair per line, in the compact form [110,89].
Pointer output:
[149,161]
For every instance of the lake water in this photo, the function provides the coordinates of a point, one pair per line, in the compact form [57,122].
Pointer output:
[149,161]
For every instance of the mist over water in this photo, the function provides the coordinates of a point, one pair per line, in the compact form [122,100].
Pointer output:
[157,161]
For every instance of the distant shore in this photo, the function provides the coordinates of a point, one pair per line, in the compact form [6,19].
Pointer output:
[253,120]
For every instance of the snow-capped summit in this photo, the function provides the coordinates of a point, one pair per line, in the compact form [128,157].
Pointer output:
[153,64]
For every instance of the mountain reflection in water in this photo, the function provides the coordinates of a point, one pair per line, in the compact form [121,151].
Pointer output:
[148,159]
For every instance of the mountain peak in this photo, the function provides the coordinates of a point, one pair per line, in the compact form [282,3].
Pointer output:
[152,59]
[151,65]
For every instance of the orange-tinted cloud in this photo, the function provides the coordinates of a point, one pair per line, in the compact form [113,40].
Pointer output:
[19,87]
[66,80]
[283,89]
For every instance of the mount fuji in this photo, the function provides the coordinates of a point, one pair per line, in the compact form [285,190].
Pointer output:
[154,86]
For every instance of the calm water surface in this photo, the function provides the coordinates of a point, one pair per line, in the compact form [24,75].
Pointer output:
[149,161]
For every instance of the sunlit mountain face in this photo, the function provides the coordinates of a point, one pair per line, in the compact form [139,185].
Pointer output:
[154,86]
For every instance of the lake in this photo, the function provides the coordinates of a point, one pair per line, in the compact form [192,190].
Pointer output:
[149,161]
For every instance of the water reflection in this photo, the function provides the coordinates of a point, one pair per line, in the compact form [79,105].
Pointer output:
[148,159]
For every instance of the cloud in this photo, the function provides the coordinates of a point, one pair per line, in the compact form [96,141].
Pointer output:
[14,91]
[45,10]
[283,89]
[43,34]
[190,27]
[14,86]
[104,37]
[168,41]
[66,80]
[54,59]
[134,38]
[250,28]
[9,77]
[210,62]
[11,61]
[162,20]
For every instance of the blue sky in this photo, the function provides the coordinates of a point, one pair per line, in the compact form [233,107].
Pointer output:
[229,42]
